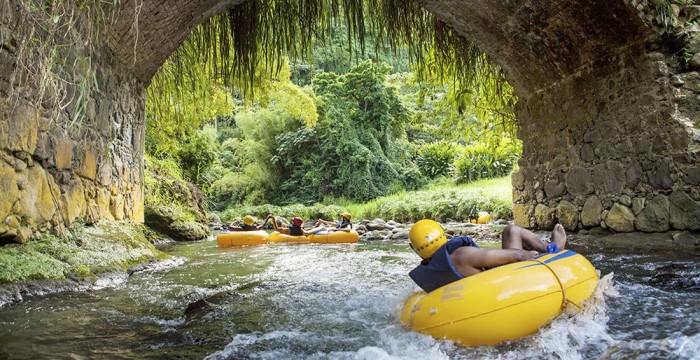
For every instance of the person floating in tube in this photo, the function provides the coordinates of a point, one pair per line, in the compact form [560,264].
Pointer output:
[248,224]
[446,261]
[343,225]
[295,228]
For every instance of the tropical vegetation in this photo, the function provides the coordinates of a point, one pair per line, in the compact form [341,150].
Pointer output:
[352,106]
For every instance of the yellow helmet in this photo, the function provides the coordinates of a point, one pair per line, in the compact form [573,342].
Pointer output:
[426,237]
[248,220]
[346,215]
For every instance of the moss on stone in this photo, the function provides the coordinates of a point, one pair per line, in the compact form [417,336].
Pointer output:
[83,251]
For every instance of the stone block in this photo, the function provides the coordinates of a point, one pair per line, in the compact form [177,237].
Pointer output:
[568,215]
[38,201]
[578,181]
[592,209]
[691,175]
[544,217]
[620,218]
[117,207]
[74,203]
[633,174]
[609,178]
[63,154]
[24,129]
[87,163]
[554,189]
[684,211]
[655,215]
[638,205]
[660,177]
[522,214]
[103,204]
[8,189]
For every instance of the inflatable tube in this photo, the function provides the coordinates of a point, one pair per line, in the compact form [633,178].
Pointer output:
[334,237]
[240,238]
[504,303]
[279,237]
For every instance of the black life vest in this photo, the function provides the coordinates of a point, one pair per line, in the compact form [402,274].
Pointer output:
[343,224]
[296,230]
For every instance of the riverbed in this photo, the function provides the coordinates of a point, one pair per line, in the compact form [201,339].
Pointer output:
[331,301]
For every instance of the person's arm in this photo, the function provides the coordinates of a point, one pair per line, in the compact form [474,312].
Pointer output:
[470,260]
[260,227]
[232,227]
[278,229]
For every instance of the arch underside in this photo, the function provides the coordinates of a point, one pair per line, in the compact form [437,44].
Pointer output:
[607,129]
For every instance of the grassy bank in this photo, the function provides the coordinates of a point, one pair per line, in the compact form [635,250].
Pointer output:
[440,202]
[85,251]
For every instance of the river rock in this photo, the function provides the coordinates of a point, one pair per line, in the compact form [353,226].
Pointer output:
[620,218]
[655,216]
[8,189]
[685,212]
[187,231]
[676,277]
[37,202]
[378,224]
[401,234]
[660,178]
[74,203]
[609,178]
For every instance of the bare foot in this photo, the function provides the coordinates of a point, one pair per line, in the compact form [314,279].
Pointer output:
[559,236]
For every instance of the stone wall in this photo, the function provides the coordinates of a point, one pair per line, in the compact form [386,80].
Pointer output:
[617,144]
[71,124]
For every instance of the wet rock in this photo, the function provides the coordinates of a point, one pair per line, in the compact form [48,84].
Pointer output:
[660,178]
[620,218]
[590,215]
[568,215]
[676,277]
[655,216]
[685,212]
[188,231]
[608,178]
[401,234]
[578,181]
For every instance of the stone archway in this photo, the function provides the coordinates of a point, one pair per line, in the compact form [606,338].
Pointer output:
[606,115]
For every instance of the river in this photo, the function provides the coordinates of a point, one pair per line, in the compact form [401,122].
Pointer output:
[329,301]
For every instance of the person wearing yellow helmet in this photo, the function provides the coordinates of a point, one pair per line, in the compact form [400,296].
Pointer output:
[446,261]
[344,225]
[248,224]
[295,227]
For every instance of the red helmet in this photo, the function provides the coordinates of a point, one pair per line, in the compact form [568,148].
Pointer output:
[297,221]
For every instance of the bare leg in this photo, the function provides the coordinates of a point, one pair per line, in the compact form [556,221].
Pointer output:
[515,237]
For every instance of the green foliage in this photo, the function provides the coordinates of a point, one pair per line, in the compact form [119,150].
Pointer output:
[197,153]
[314,211]
[357,149]
[480,161]
[164,186]
[435,159]
[442,202]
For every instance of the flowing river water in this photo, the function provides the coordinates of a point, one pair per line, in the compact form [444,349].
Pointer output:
[330,301]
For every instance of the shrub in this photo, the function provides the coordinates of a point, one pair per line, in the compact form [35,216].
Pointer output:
[435,159]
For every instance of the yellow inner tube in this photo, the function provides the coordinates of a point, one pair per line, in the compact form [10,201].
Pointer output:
[240,238]
[504,303]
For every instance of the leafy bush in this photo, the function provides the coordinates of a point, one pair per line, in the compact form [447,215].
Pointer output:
[328,212]
[435,159]
[480,161]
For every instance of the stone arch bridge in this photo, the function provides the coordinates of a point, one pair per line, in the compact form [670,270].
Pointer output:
[609,109]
